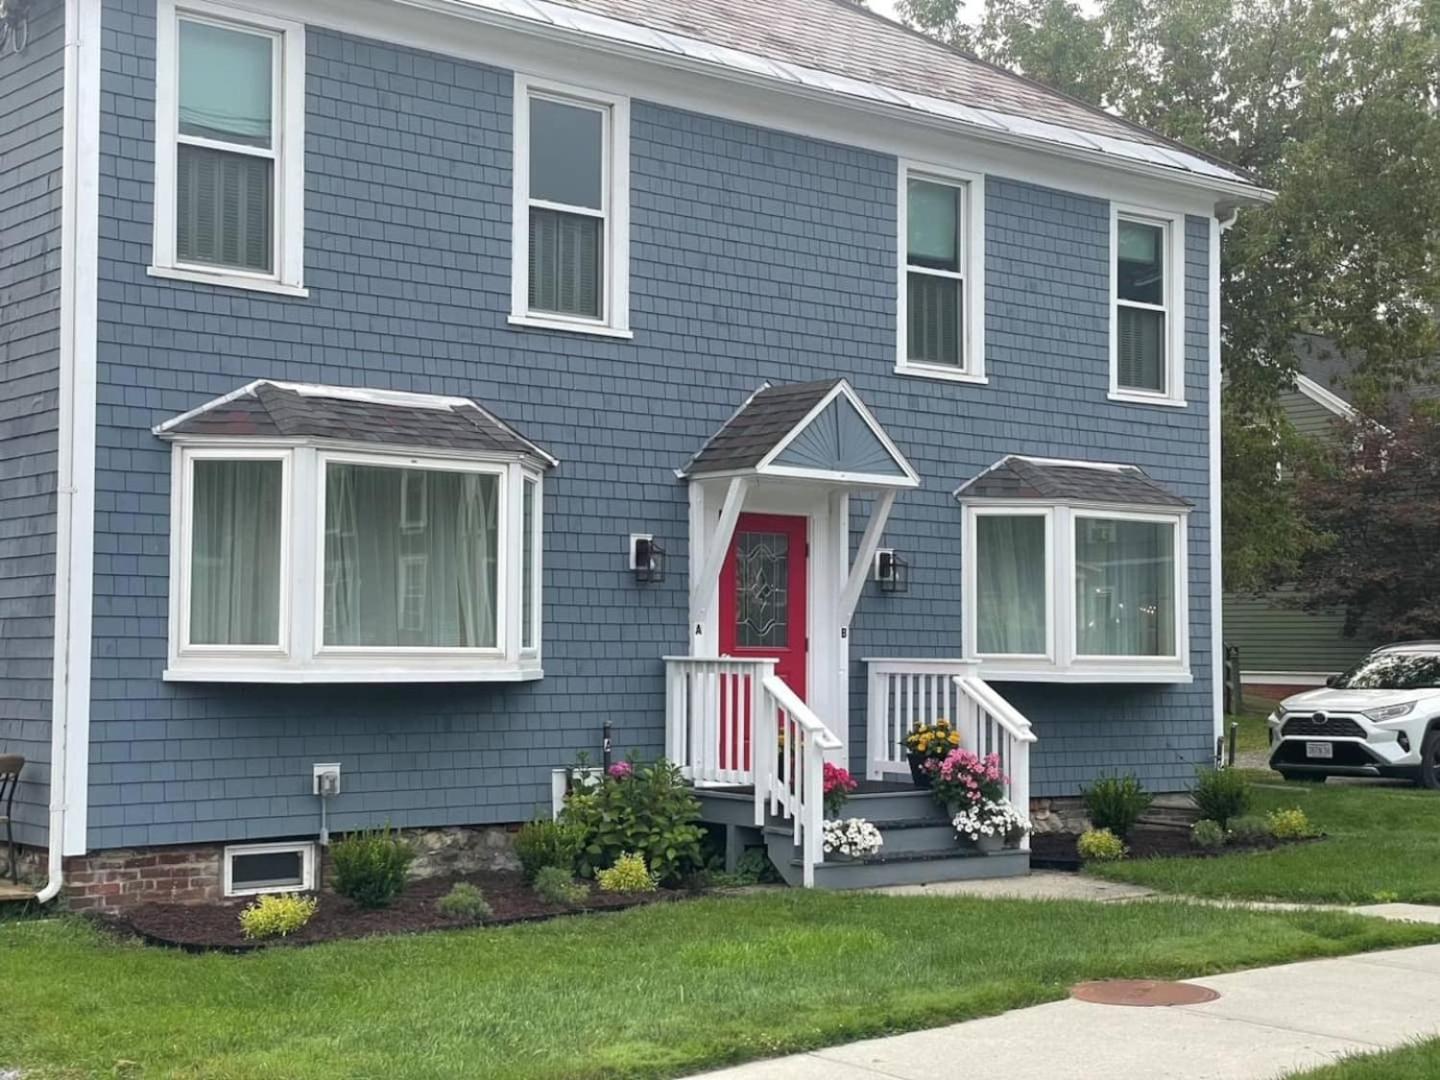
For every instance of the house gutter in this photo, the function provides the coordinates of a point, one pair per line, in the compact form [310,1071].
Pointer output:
[75,459]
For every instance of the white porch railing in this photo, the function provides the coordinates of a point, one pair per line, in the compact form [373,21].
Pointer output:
[710,706]
[903,693]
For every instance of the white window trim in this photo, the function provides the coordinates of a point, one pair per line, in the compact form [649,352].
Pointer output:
[971,580]
[305,849]
[301,656]
[288,152]
[1173,226]
[1065,664]
[537,546]
[615,197]
[972,258]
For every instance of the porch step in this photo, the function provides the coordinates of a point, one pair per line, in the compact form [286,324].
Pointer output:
[901,837]
[908,868]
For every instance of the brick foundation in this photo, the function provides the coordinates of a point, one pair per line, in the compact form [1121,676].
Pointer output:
[111,881]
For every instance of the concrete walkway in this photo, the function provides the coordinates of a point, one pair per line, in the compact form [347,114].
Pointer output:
[1267,1023]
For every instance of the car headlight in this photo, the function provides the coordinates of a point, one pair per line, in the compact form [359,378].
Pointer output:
[1388,712]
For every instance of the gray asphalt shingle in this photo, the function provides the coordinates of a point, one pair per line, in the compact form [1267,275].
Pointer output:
[1027,478]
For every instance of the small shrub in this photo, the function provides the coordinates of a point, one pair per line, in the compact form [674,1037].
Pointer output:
[463,901]
[1385,896]
[1250,829]
[1221,794]
[543,843]
[1290,824]
[370,866]
[1116,803]
[752,868]
[1208,834]
[277,916]
[651,812]
[628,875]
[554,885]
[1101,845]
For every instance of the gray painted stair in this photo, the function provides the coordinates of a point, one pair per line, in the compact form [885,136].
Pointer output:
[920,846]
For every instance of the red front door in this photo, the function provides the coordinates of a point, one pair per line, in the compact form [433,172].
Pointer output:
[762,613]
[762,593]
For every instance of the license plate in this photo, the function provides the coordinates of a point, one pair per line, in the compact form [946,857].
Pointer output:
[1319,750]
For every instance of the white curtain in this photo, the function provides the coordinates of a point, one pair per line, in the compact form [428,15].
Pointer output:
[1125,587]
[1010,582]
[410,557]
[235,553]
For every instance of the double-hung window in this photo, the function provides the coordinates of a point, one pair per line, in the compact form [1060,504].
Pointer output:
[941,289]
[1147,340]
[571,207]
[229,168]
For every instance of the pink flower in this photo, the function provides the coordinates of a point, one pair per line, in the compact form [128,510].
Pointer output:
[622,770]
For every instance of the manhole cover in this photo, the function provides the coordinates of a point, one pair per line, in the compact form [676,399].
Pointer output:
[1145,992]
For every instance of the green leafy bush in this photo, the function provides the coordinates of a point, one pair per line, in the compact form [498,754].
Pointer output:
[1290,824]
[1116,803]
[1221,794]
[1208,834]
[1250,829]
[555,885]
[646,809]
[277,916]
[628,875]
[1100,845]
[370,866]
[543,843]
[464,901]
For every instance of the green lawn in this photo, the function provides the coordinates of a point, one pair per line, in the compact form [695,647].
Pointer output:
[654,991]
[1383,844]
[1420,1061]
[1253,737]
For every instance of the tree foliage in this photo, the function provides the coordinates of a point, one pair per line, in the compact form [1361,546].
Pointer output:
[1331,103]
[1376,500]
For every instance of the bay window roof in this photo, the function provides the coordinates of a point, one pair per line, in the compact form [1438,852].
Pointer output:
[266,409]
[1047,480]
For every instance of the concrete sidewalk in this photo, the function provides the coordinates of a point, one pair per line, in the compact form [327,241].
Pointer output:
[1267,1023]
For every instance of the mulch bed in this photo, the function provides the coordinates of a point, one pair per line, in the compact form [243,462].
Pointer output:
[206,927]
[1057,851]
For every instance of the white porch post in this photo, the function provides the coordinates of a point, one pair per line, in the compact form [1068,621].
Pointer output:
[708,548]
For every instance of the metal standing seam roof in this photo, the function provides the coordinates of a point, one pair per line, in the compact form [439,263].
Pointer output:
[839,47]
[343,414]
[1016,477]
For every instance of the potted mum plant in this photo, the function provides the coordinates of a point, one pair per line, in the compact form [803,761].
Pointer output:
[926,746]
[851,838]
[838,786]
[990,824]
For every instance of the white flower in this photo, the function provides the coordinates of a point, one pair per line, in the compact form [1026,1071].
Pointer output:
[989,819]
[855,837]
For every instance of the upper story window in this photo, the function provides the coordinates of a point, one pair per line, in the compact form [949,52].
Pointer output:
[293,560]
[571,206]
[1147,336]
[941,289]
[1079,585]
[229,151]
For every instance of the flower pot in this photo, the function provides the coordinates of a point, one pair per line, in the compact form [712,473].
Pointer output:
[989,843]
[920,777]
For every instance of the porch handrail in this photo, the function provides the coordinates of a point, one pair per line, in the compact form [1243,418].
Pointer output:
[719,713]
[989,699]
[790,771]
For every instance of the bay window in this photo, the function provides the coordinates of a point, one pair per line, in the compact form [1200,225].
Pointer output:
[941,292]
[1147,340]
[571,207]
[1075,593]
[301,564]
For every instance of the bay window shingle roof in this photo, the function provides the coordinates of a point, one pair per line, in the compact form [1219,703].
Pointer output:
[1017,477]
[344,414]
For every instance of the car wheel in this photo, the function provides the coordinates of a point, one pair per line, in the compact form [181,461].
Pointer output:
[1430,760]
[1302,777]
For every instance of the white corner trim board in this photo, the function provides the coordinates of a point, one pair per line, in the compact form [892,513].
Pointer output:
[1214,377]
[75,465]
[1326,398]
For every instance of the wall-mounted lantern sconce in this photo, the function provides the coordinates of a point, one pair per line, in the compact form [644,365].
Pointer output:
[647,558]
[892,571]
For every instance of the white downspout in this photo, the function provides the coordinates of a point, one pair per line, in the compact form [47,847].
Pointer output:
[75,464]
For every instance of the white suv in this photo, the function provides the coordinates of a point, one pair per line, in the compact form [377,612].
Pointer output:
[1381,718]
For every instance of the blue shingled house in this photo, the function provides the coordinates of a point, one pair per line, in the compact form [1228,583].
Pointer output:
[399,396]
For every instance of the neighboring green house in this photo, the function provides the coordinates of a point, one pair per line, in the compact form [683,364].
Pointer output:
[1281,644]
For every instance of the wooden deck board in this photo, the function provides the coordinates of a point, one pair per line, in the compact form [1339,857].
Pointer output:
[16,892]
